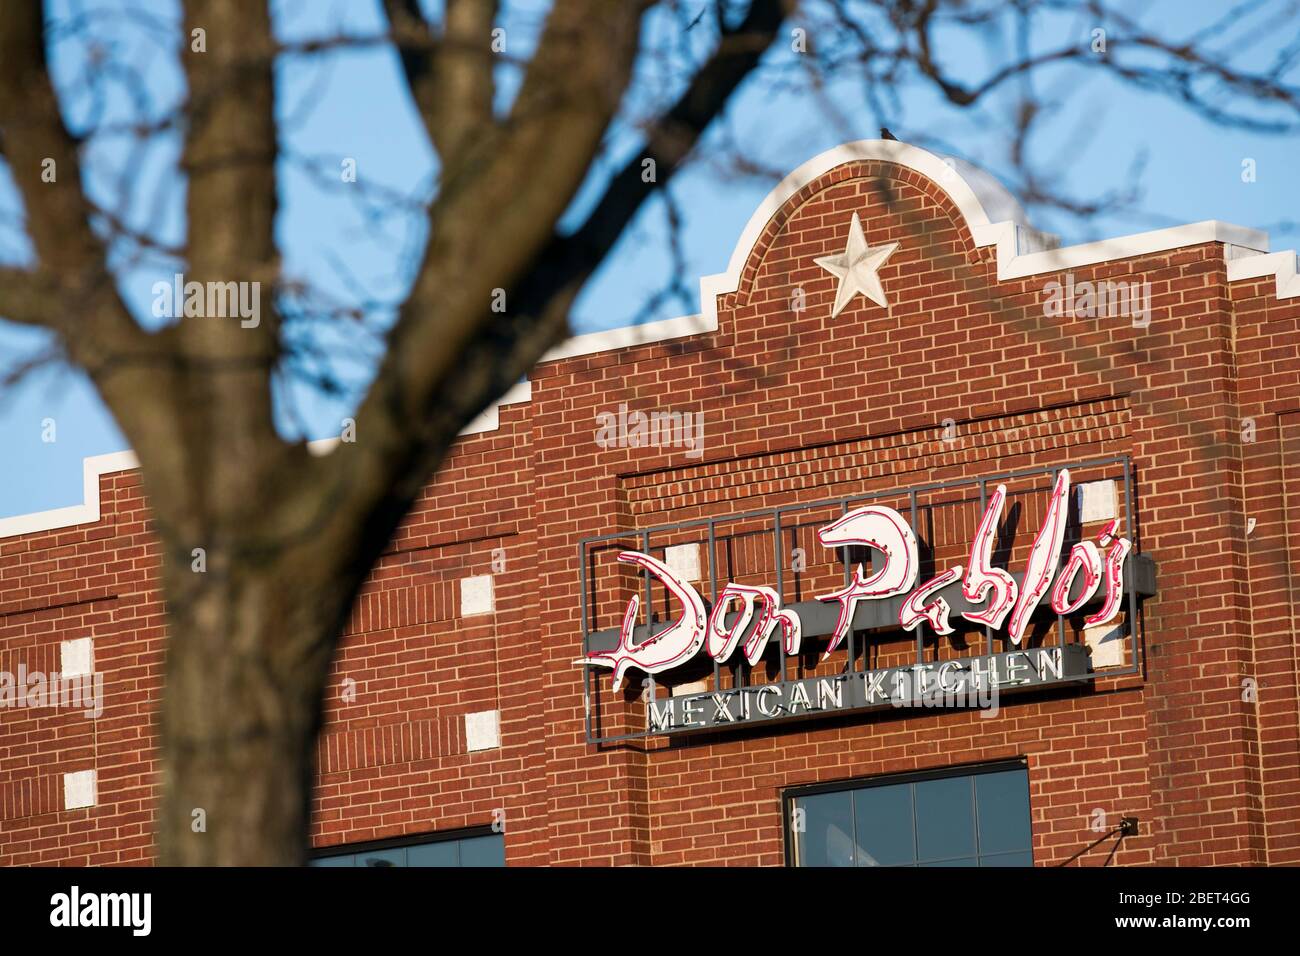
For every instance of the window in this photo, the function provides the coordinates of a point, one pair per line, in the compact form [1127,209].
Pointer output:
[975,816]
[479,847]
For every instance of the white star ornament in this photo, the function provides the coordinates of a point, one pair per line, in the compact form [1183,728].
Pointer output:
[858,268]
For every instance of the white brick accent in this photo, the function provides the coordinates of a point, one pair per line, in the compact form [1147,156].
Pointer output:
[684,561]
[1097,501]
[79,790]
[483,730]
[694,687]
[77,657]
[477,596]
[1107,645]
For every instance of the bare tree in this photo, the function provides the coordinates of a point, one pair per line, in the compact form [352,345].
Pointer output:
[289,536]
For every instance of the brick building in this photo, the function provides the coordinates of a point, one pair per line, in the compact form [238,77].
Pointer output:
[1139,393]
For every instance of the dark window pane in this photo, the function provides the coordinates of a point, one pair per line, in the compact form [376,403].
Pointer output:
[1003,801]
[827,839]
[469,851]
[964,861]
[394,857]
[1022,858]
[483,851]
[883,819]
[442,853]
[945,819]
[979,819]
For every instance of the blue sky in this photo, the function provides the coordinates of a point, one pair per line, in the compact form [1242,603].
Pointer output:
[352,105]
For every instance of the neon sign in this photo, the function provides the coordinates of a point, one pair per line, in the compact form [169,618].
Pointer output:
[883,530]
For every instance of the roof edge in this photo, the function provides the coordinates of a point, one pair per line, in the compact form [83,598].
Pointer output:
[992,214]
[85,513]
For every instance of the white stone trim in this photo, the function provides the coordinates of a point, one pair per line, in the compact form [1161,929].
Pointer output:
[685,690]
[77,657]
[992,214]
[1125,247]
[488,420]
[85,513]
[80,789]
[628,336]
[477,596]
[97,465]
[1106,645]
[1098,500]
[1281,265]
[483,730]
[684,561]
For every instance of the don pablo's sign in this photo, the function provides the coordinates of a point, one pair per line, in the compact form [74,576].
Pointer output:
[992,596]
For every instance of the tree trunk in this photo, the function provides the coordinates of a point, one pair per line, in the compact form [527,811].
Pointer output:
[248,648]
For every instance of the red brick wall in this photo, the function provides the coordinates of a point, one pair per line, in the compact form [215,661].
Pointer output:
[798,407]
[93,581]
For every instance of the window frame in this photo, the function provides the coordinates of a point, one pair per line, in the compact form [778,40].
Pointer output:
[790,794]
[412,839]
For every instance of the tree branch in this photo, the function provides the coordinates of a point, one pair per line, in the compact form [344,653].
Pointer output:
[490,223]
[26,297]
[43,160]
[230,152]
[231,450]
[449,355]
[70,289]
[450,77]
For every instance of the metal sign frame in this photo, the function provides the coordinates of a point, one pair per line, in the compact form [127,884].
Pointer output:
[1139,580]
